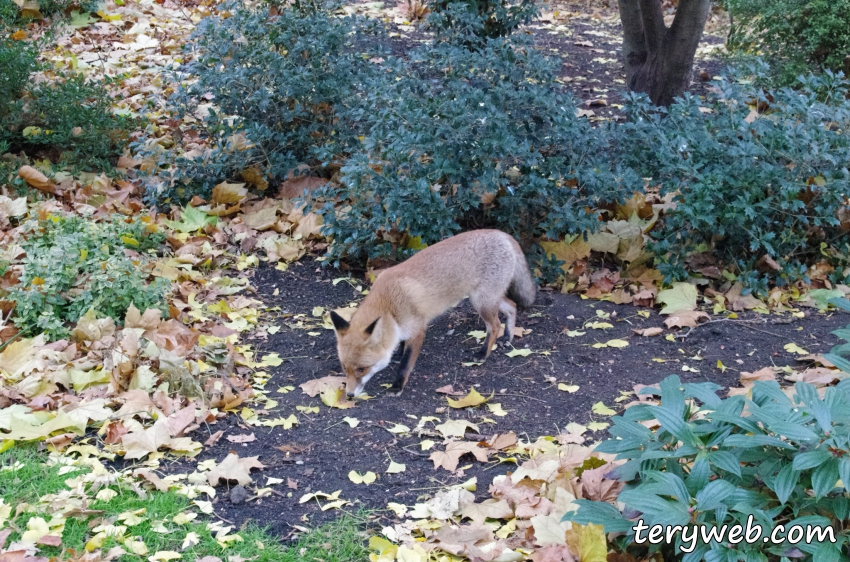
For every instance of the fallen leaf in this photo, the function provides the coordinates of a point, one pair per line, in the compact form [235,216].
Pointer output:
[470,400]
[683,296]
[366,478]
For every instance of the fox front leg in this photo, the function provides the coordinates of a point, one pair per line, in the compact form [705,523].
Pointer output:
[412,347]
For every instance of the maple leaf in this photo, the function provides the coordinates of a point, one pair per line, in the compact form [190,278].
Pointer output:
[569,253]
[488,509]
[684,319]
[22,430]
[317,386]
[588,542]
[450,458]
[191,220]
[541,467]
[19,357]
[229,193]
[683,296]
[650,331]
[471,399]
[334,398]
[455,428]
[140,443]
[595,487]
[234,468]
[150,320]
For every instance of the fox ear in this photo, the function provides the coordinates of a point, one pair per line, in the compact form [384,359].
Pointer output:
[340,323]
[370,329]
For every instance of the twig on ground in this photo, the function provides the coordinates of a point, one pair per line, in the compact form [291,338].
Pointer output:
[744,323]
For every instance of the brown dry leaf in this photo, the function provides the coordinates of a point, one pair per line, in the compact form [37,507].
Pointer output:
[596,487]
[552,553]
[488,509]
[450,458]
[241,438]
[140,443]
[229,193]
[649,331]
[309,225]
[180,420]
[174,336]
[160,484]
[468,540]
[568,253]
[36,179]
[818,376]
[450,390]
[765,374]
[234,468]
[262,219]
[737,302]
[92,328]
[502,441]
[317,386]
[685,318]
[213,439]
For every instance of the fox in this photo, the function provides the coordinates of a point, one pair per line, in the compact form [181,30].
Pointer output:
[486,266]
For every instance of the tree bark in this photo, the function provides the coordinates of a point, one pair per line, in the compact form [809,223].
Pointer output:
[659,59]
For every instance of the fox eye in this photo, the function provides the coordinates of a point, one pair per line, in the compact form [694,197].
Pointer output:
[360,369]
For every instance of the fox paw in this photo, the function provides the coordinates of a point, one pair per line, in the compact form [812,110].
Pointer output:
[395,390]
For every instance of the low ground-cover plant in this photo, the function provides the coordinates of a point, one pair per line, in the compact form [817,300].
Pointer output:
[798,36]
[760,177]
[67,115]
[279,92]
[839,355]
[476,20]
[466,138]
[776,457]
[74,264]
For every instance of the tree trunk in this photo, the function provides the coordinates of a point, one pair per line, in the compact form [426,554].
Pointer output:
[659,59]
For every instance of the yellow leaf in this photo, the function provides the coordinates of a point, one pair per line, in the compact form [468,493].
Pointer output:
[599,325]
[597,426]
[308,409]
[367,478]
[794,348]
[618,343]
[568,387]
[588,542]
[395,468]
[721,366]
[496,409]
[130,241]
[471,399]
[602,409]
[525,352]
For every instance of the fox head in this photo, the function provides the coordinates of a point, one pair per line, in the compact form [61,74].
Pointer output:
[364,349]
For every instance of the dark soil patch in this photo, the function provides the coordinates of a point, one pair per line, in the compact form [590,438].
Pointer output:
[324,449]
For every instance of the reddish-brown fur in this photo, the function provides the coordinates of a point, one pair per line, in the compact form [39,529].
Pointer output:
[482,265]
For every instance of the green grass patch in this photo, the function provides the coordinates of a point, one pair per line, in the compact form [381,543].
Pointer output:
[144,526]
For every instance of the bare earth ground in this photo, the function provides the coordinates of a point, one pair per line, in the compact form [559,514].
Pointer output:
[319,452]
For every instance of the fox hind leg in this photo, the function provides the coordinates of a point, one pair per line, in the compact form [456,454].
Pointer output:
[508,308]
[412,347]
